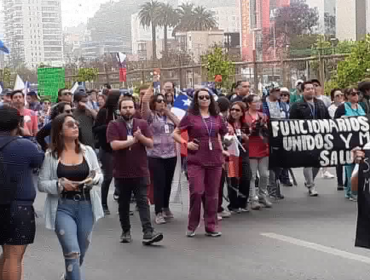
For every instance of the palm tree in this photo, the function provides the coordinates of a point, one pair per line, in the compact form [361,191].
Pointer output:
[203,19]
[195,18]
[185,12]
[167,17]
[148,16]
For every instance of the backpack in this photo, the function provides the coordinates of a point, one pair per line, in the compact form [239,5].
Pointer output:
[8,184]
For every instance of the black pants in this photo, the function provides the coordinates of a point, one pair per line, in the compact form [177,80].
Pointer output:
[340,175]
[284,176]
[162,174]
[107,168]
[138,186]
[221,191]
[238,188]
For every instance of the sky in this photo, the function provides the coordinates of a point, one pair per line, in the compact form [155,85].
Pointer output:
[75,12]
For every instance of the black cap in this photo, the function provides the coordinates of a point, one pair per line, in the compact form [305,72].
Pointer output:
[223,103]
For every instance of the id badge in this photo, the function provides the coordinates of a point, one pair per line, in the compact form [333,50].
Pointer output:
[210,145]
[166,129]
[238,132]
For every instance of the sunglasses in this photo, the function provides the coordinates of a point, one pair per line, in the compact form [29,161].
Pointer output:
[204,97]
[284,95]
[72,124]
[354,93]
[235,110]
[159,101]
[67,111]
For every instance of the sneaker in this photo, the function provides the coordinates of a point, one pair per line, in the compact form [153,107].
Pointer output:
[213,233]
[340,188]
[152,237]
[312,192]
[115,197]
[190,233]
[255,205]
[159,219]
[353,198]
[219,218]
[106,211]
[126,237]
[265,202]
[327,175]
[167,214]
[287,184]
[225,214]
[235,211]
[244,210]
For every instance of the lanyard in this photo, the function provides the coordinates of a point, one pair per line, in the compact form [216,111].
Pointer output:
[129,128]
[209,130]
[312,109]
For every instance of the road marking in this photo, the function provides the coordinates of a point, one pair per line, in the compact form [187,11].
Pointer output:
[318,247]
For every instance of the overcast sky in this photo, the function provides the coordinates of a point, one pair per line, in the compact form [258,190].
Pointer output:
[78,11]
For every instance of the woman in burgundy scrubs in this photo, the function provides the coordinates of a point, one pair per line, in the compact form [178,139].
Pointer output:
[205,159]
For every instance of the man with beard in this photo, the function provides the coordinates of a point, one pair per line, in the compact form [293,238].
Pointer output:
[85,115]
[129,137]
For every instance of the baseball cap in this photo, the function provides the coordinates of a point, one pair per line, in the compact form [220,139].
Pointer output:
[33,93]
[299,82]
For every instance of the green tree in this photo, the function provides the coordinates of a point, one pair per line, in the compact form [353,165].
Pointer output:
[167,17]
[217,63]
[87,74]
[195,18]
[149,17]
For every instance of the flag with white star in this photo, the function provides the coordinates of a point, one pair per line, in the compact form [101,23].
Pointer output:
[181,105]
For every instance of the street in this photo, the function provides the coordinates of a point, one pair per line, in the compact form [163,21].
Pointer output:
[301,238]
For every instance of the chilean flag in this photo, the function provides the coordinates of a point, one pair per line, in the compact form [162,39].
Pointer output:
[122,63]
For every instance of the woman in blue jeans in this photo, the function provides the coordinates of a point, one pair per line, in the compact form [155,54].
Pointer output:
[68,175]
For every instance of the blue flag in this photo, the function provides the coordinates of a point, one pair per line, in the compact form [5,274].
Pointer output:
[181,105]
[3,48]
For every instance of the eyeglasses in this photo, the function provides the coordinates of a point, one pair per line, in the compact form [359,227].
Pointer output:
[67,111]
[235,109]
[72,124]
[204,97]
[284,95]
[46,103]
[159,101]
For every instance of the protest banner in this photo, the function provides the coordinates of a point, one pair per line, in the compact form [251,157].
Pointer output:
[316,143]
[363,216]
[50,80]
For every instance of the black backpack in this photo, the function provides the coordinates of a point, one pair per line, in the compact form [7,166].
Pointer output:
[8,184]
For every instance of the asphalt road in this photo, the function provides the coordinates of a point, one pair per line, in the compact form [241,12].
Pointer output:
[301,238]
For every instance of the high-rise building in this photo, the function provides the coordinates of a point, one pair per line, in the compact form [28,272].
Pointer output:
[227,18]
[352,19]
[33,31]
[327,11]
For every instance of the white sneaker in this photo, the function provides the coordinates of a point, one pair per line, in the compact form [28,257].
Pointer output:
[327,175]
[219,217]
[159,219]
[312,192]
[225,214]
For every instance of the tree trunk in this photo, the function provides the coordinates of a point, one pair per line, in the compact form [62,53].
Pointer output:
[154,42]
[165,42]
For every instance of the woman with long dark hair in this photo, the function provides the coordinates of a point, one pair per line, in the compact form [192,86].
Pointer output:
[205,159]
[106,114]
[239,167]
[68,175]
[162,158]
[45,131]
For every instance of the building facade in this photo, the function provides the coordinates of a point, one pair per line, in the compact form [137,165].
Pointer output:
[352,19]
[227,18]
[92,49]
[33,31]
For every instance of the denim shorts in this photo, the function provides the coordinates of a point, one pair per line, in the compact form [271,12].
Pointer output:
[17,224]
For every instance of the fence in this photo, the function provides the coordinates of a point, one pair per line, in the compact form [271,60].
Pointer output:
[285,72]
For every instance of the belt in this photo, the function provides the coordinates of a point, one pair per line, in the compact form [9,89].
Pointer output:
[83,196]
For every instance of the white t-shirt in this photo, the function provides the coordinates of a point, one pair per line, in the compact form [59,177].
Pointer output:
[325,99]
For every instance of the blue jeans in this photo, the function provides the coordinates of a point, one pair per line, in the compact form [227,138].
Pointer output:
[348,188]
[73,226]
